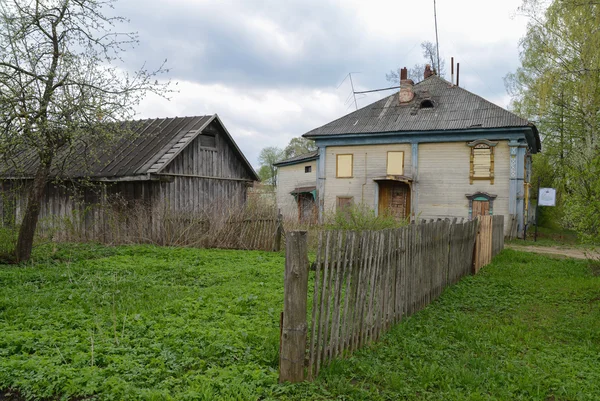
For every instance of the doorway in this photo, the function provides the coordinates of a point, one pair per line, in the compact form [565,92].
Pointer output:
[394,199]
[307,208]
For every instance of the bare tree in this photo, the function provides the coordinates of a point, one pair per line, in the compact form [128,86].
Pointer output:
[61,79]
[416,73]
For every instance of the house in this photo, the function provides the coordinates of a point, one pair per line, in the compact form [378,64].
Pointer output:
[181,164]
[431,150]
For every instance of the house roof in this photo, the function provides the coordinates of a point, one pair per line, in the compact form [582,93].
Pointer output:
[454,108]
[314,155]
[148,148]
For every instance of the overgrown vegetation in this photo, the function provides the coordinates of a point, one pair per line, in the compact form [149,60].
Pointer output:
[142,322]
[361,217]
[558,87]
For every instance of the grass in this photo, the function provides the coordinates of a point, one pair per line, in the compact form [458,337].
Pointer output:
[526,328]
[141,322]
[551,237]
[185,324]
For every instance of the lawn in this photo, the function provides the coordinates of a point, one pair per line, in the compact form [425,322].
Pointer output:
[161,323]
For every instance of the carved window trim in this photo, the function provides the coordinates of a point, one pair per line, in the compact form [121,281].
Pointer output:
[481,196]
[481,144]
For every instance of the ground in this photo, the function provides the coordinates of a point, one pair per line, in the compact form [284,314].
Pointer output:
[139,322]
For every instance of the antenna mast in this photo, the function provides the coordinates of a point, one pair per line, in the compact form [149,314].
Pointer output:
[353,93]
[437,42]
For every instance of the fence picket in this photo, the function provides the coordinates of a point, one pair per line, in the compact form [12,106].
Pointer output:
[367,281]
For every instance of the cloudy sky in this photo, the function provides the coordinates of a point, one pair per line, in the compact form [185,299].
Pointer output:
[274,69]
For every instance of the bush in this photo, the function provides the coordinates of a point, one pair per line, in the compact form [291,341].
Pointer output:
[8,241]
[361,217]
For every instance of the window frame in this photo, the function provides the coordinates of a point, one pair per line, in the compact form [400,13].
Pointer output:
[208,135]
[387,165]
[346,197]
[307,169]
[337,165]
[481,144]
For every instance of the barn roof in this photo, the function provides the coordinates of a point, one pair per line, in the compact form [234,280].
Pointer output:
[147,148]
[454,108]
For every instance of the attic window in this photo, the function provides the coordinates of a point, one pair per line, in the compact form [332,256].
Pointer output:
[208,140]
[426,104]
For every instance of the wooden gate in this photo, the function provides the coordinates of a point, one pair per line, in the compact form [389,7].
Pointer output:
[490,240]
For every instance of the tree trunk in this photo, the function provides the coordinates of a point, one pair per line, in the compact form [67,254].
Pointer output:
[32,213]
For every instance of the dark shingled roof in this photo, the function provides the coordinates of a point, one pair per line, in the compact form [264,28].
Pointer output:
[149,146]
[299,158]
[454,108]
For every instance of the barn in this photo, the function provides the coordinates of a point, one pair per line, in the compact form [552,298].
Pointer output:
[182,166]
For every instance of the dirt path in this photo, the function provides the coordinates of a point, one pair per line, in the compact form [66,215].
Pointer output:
[576,253]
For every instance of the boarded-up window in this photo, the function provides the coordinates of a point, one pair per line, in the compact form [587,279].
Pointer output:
[344,202]
[395,163]
[344,166]
[482,160]
[208,140]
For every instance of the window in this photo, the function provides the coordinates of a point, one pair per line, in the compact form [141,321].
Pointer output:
[395,163]
[208,140]
[482,160]
[308,169]
[344,166]
[426,104]
[344,202]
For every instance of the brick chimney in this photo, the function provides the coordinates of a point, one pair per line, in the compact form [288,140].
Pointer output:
[428,71]
[406,87]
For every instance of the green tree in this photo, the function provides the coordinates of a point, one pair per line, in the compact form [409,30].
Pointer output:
[267,157]
[299,146]
[558,87]
[60,81]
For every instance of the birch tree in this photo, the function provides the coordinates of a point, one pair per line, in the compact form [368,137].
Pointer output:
[558,87]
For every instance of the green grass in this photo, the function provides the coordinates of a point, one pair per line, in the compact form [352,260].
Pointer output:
[526,328]
[164,323]
[203,324]
[553,237]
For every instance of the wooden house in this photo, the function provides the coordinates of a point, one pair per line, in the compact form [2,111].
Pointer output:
[181,165]
[432,150]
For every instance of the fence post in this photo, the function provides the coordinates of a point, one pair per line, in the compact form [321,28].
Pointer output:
[278,233]
[293,333]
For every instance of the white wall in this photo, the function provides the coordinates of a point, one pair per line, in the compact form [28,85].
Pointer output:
[443,180]
[289,178]
[370,161]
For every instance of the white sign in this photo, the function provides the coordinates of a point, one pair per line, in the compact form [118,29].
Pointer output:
[547,197]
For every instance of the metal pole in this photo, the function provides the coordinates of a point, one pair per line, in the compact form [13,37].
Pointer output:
[437,42]
[353,93]
[537,211]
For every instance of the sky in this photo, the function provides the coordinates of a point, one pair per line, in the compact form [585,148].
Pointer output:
[275,69]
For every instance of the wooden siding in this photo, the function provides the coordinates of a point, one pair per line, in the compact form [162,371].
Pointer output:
[443,180]
[222,161]
[369,162]
[291,177]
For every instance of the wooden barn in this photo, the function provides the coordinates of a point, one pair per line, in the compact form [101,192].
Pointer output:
[183,166]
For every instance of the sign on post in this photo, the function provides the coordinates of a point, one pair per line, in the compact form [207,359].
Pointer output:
[547,197]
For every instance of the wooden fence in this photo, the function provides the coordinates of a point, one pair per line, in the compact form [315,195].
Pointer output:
[364,283]
[490,240]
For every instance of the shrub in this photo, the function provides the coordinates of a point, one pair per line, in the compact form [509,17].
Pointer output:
[361,217]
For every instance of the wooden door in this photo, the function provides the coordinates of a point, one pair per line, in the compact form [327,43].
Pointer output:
[481,208]
[394,198]
[306,208]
